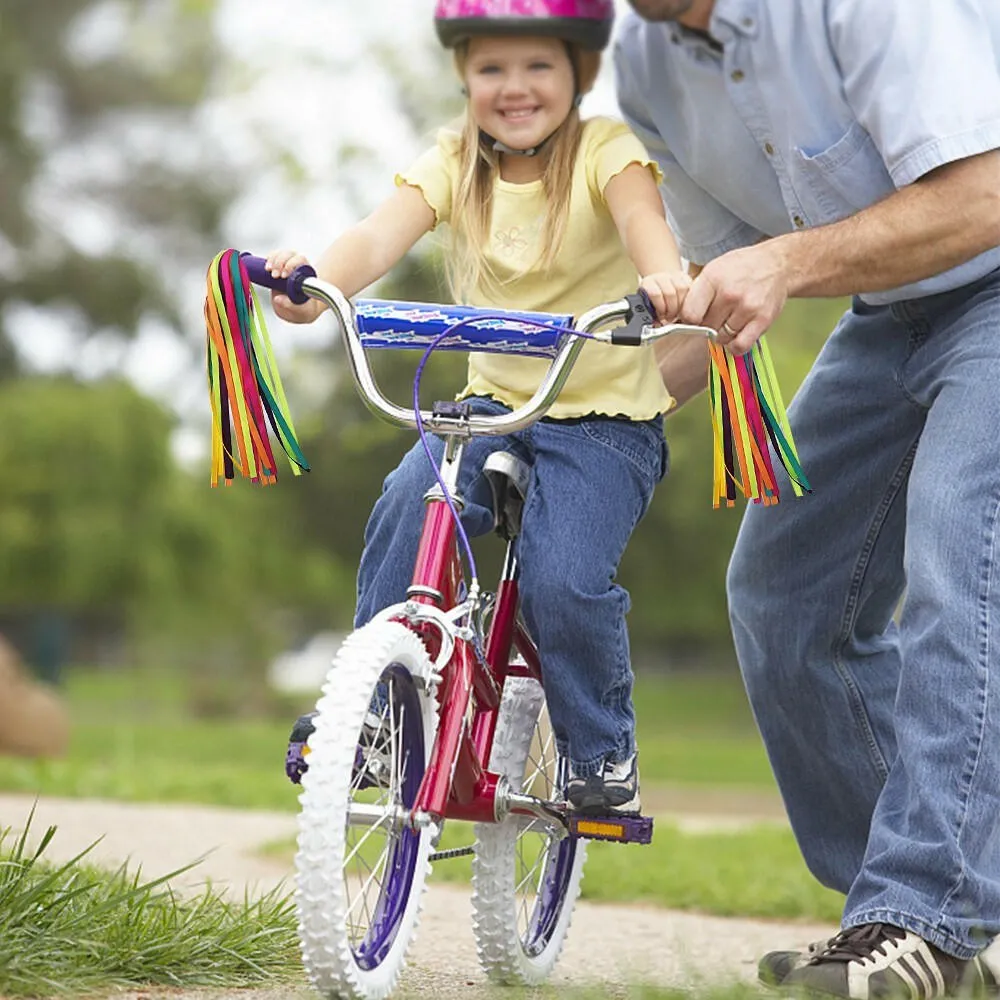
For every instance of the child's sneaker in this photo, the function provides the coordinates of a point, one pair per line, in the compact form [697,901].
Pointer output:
[615,791]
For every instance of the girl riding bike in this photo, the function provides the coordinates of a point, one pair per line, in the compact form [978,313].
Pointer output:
[547,212]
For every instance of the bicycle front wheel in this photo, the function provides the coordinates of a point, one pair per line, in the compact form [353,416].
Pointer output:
[360,870]
[525,879]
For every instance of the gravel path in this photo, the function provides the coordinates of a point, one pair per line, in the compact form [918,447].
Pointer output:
[635,944]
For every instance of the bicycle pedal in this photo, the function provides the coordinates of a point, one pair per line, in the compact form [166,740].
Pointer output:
[621,829]
[369,772]
[295,761]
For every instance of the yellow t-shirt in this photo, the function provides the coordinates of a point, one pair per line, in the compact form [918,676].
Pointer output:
[590,268]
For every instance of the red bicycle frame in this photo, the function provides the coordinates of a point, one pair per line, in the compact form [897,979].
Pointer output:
[456,783]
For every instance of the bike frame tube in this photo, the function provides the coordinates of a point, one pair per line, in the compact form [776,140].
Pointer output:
[474,788]
[498,646]
[436,568]
[523,644]
[456,784]
[455,770]
[440,775]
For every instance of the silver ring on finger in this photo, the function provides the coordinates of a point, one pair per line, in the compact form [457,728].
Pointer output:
[728,329]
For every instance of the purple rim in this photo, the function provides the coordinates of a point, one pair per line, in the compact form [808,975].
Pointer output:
[551,898]
[398,882]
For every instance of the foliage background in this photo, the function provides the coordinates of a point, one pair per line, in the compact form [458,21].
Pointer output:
[120,176]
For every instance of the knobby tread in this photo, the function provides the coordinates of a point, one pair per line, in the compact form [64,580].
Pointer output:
[320,896]
[494,905]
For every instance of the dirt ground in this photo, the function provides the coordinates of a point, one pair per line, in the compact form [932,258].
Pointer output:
[609,946]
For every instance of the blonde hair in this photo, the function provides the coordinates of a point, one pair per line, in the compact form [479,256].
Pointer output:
[467,266]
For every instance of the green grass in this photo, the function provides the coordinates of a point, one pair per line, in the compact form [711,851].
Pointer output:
[74,928]
[756,872]
[625,991]
[135,738]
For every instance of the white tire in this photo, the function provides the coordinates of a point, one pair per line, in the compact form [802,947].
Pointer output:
[359,888]
[525,882]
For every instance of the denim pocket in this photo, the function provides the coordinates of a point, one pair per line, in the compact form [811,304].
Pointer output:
[640,441]
[846,176]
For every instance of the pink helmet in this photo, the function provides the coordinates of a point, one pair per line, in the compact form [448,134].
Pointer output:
[585,22]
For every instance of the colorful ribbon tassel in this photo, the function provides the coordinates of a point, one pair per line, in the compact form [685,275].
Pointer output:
[748,421]
[244,387]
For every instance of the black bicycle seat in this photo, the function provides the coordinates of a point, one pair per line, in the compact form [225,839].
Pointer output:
[508,477]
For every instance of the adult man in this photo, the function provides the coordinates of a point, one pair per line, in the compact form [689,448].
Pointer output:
[835,147]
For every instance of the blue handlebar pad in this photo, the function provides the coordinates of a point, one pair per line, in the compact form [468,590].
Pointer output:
[382,323]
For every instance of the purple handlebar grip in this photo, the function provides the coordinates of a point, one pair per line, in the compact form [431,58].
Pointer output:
[291,286]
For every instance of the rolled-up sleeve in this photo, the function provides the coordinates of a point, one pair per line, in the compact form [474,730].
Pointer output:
[923,82]
[704,229]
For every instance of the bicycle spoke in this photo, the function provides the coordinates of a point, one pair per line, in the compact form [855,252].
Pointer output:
[357,847]
[375,873]
[381,745]
[353,926]
[530,876]
[368,881]
[359,868]
[395,777]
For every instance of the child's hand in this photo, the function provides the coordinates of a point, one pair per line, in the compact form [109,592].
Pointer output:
[282,264]
[666,290]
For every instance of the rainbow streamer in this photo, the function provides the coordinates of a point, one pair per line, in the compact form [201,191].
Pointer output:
[244,387]
[749,422]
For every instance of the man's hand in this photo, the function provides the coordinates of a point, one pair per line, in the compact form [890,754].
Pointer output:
[739,294]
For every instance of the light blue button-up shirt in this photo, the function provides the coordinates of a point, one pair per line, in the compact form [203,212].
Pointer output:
[811,111]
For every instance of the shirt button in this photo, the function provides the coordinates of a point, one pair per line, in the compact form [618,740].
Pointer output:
[747,22]
[769,149]
[737,75]
[799,221]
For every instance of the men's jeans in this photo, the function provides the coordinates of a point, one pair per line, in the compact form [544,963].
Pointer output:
[881,718]
[591,482]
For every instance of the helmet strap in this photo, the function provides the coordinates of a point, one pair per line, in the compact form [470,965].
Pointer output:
[502,147]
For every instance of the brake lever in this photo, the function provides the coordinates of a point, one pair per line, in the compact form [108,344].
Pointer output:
[639,317]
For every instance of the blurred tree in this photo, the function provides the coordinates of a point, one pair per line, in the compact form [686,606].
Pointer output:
[100,169]
[95,519]
[88,466]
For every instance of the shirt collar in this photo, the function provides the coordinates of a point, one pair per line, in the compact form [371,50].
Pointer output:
[735,17]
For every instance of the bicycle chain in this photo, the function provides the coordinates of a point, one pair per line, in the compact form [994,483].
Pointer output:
[455,852]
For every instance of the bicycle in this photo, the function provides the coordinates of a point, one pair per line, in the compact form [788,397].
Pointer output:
[434,710]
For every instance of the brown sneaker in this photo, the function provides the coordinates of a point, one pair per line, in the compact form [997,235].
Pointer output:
[881,962]
[774,967]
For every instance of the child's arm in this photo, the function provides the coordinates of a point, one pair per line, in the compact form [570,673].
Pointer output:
[634,202]
[635,205]
[363,254]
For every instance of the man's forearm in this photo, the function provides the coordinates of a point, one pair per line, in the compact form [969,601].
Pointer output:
[683,362]
[942,220]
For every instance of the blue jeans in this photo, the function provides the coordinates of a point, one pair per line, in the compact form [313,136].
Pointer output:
[881,718]
[591,482]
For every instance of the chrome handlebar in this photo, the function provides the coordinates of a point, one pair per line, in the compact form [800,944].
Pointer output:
[478,424]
